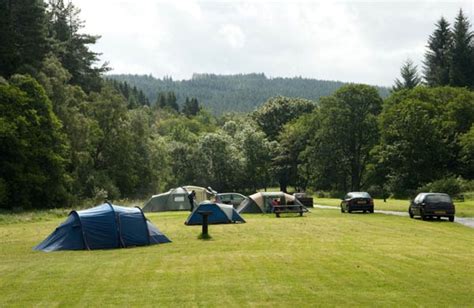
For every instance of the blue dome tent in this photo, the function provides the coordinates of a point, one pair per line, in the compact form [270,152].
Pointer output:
[221,214]
[103,227]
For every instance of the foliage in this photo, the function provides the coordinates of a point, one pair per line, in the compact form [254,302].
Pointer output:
[234,93]
[278,111]
[461,72]
[23,36]
[167,100]
[450,186]
[466,142]
[437,57]
[191,107]
[72,47]
[69,135]
[410,77]
[450,56]
[33,149]
[420,132]
[340,148]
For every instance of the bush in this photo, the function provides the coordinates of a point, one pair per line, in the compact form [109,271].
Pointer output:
[377,191]
[450,186]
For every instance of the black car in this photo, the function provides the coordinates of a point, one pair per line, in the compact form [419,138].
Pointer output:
[357,201]
[430,205]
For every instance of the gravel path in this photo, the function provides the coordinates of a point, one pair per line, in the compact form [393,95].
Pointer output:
[466,221]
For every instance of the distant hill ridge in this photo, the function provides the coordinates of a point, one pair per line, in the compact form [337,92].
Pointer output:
[233,93]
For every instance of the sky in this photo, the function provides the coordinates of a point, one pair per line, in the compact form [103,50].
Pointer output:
[350,41]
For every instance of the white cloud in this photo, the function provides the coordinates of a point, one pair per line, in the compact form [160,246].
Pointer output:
[233,35]
[355,41]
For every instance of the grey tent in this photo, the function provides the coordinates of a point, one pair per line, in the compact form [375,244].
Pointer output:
[174,200]
[262,202]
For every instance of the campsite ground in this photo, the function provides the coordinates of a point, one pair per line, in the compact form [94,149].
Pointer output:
[324,258]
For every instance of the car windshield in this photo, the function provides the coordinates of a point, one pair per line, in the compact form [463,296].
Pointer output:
[438,198]
[359,195]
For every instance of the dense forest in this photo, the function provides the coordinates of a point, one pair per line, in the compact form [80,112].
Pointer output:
[233,93]
[67,134]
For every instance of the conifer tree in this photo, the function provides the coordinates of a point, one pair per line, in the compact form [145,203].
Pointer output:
[409,75]
[172,101]
[437,58]
[72,47]
[191,107]
[23,36]
[461,72]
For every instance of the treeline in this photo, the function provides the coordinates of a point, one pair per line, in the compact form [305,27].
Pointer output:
[449,59]
[233,93]
[67,134]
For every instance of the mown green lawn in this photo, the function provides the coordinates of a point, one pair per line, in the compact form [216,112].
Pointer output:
[324,258]
[463,209]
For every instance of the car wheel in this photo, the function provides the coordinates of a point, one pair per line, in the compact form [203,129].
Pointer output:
[371,211]
[342,209]
[349,210]
[451,218]
[410,213]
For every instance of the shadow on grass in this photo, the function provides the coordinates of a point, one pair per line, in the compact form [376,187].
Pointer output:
[204,237]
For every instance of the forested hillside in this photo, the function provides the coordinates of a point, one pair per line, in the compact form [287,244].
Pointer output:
[233,93]
[68,134]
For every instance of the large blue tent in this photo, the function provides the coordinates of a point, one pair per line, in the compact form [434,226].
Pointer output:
[103,227]
[220,214]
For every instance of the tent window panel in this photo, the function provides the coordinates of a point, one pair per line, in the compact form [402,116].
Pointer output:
[238,198]
[178,199]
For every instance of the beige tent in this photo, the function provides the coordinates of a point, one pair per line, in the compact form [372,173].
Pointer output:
[262,202]
[202,194]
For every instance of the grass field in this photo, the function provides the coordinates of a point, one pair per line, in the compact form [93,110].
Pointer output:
[324,258]
[463,209]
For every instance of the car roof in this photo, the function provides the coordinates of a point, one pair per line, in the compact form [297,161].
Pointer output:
[358,193]
[231,193]
[432,193]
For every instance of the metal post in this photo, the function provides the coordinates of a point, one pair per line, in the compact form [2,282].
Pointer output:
[204,224]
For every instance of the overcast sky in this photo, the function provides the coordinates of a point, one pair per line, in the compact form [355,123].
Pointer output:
[353,41]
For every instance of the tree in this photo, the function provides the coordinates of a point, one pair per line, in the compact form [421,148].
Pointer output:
[437,58]
[171,101]
[33,149]
[271,118]
[219,163]
[347,133]
[410,77]
[467,153]
[421,136]
[23,36]
[72,47]
[191,107]
[461,72]
[278,111]
[167,100]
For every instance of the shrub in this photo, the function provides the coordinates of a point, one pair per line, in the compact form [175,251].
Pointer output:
[450,186]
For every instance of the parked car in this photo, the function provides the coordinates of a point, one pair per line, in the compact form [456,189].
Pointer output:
[357,201]
[430,205]
[230,198]
[304,198]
